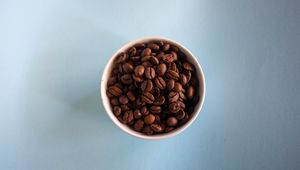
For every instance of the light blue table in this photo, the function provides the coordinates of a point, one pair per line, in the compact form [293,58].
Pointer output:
[52,54]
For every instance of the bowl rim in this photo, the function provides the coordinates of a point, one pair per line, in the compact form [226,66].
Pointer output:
[124,127]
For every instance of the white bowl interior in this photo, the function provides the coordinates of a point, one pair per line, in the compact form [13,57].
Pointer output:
[190,57]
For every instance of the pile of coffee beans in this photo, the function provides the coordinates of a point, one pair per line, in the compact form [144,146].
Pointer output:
[153,88]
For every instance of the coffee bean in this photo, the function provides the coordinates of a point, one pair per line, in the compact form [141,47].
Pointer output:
[173,96]
[180,114]
[139,103]
[125,107]
[172,121]
[117,110]
[170,84]
[156,92]
[146,58]
[126,79]
[132,51]
[174,54]
[168,58]
[137,78]
[154,60]
[159,100]
[166,47]
[135,58]
[149,119]
[183,79]
[147,86]
[181,104]
[127,67]
[156,128]
[174,107]
[111,81]
[148,98]
[140,46]
[131,95]
[153,47]
[114,102]
[173,67]
[150,73]
[145,110]
[147,130]
[138,126]
[109,95]
[155,109]
[123,99]
[188,75]
[137,114]
[172,74]
[190,92]
[146,51]
[174,48]
[121,58]
[147,64]
[181,95]
[161,69]
[188,66]
[169,129]
[178,87]
[184,120]
[139,70]
[160,83]
[128,116]
[114,90]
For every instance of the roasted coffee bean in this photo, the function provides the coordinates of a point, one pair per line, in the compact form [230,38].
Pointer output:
[173,97]
[147,64]
[150,73]
[114,90]
[149,119]
[131,95]
[188,66]
[135,58]
[127,67]
[178,87]
[138,126]
[174,54]
[180,114]
[139,103]
[156,92]
[174,107]
[172,74]
[114,102]
[182,96]
[139,70]
[166,47]
[117,110]
[159,100]
[132,51]
[146,51]
[168,58]
[123,99]
[146,58]
[153,47]
[190,92]
[157,118]
[184,120]
[181,104]
[172,121]
[161,69]
[188,75]
[121,58]
[109,95]
[169,129]
[126,79]
[140,46]
[125,107]
[154,60]
[147,86]
[145,110]
[173,67]
[137,114]
[128,116]
[148,98]
[147,130]
[183,80]
[156,128]
[111,81]
[160,83]
[174,48]
[137,78]
[155,109]
[170,84]
[119,85]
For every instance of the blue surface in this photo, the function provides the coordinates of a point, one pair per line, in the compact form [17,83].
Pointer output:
[52,54]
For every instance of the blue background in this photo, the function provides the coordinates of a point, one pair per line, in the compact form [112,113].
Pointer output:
[53,53]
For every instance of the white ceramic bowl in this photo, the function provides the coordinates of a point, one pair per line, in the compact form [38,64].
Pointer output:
[190,57]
